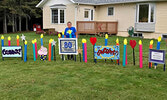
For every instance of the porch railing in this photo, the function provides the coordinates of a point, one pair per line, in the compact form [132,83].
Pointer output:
[95,27]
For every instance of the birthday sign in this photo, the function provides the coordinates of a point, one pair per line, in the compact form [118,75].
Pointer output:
[68,46]
[11,51]
[106,52]
[157,56]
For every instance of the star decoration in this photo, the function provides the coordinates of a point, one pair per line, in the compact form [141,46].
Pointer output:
[80,51]
[54,42]
[23,37]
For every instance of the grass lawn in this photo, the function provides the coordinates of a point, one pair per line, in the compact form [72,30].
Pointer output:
[77,80]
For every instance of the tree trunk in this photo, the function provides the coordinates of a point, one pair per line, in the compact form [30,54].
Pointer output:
[13,24]
[4,23]
[26,23]
[20,23]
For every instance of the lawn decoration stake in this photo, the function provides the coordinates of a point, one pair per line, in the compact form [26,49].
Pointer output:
[9,41]
[117,44]
[106,39]
[54,51]
[93,41]
[133,45]
[25,52]
[43,53]
[17,40]
[84,47]
[158,48]
[50,44]
[33,43]
[151,47]
[41,39]
[2,41]
[124,54]
[140,54]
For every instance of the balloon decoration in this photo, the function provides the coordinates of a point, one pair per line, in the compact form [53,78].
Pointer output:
[133,45]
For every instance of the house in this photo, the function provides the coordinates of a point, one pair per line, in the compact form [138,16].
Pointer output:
[148,17]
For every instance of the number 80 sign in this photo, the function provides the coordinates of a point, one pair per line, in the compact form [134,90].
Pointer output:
[68,46]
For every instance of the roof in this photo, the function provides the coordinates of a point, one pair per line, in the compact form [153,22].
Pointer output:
[101,2]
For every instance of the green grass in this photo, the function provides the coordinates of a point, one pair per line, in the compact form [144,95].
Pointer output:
[81,81]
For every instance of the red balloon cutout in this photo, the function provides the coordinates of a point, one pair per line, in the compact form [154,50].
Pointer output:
[93,40]
[132,43]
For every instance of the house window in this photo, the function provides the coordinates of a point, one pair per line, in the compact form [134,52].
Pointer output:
[110,11]
[86,15]
[145,13]
[58,16]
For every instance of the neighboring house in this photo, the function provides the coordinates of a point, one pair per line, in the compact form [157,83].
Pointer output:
[148,17]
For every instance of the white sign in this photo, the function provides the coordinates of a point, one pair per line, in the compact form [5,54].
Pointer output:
[157,56]
[11,51]
[68,46]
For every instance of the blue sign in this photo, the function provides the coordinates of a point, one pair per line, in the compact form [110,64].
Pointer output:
[157,56]
[68,46]
[11,51]
[106,52]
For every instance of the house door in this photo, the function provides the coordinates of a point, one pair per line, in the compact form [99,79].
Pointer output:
[88,15]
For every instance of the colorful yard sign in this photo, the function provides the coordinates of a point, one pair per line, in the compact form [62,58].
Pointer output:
[157,56]
[11,52]
[106,52]
[68,46]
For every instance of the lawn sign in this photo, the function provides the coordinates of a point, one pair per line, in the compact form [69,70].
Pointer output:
[13,51]
[68,46]
[157,56]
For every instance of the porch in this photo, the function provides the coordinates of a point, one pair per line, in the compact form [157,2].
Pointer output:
[95,27]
